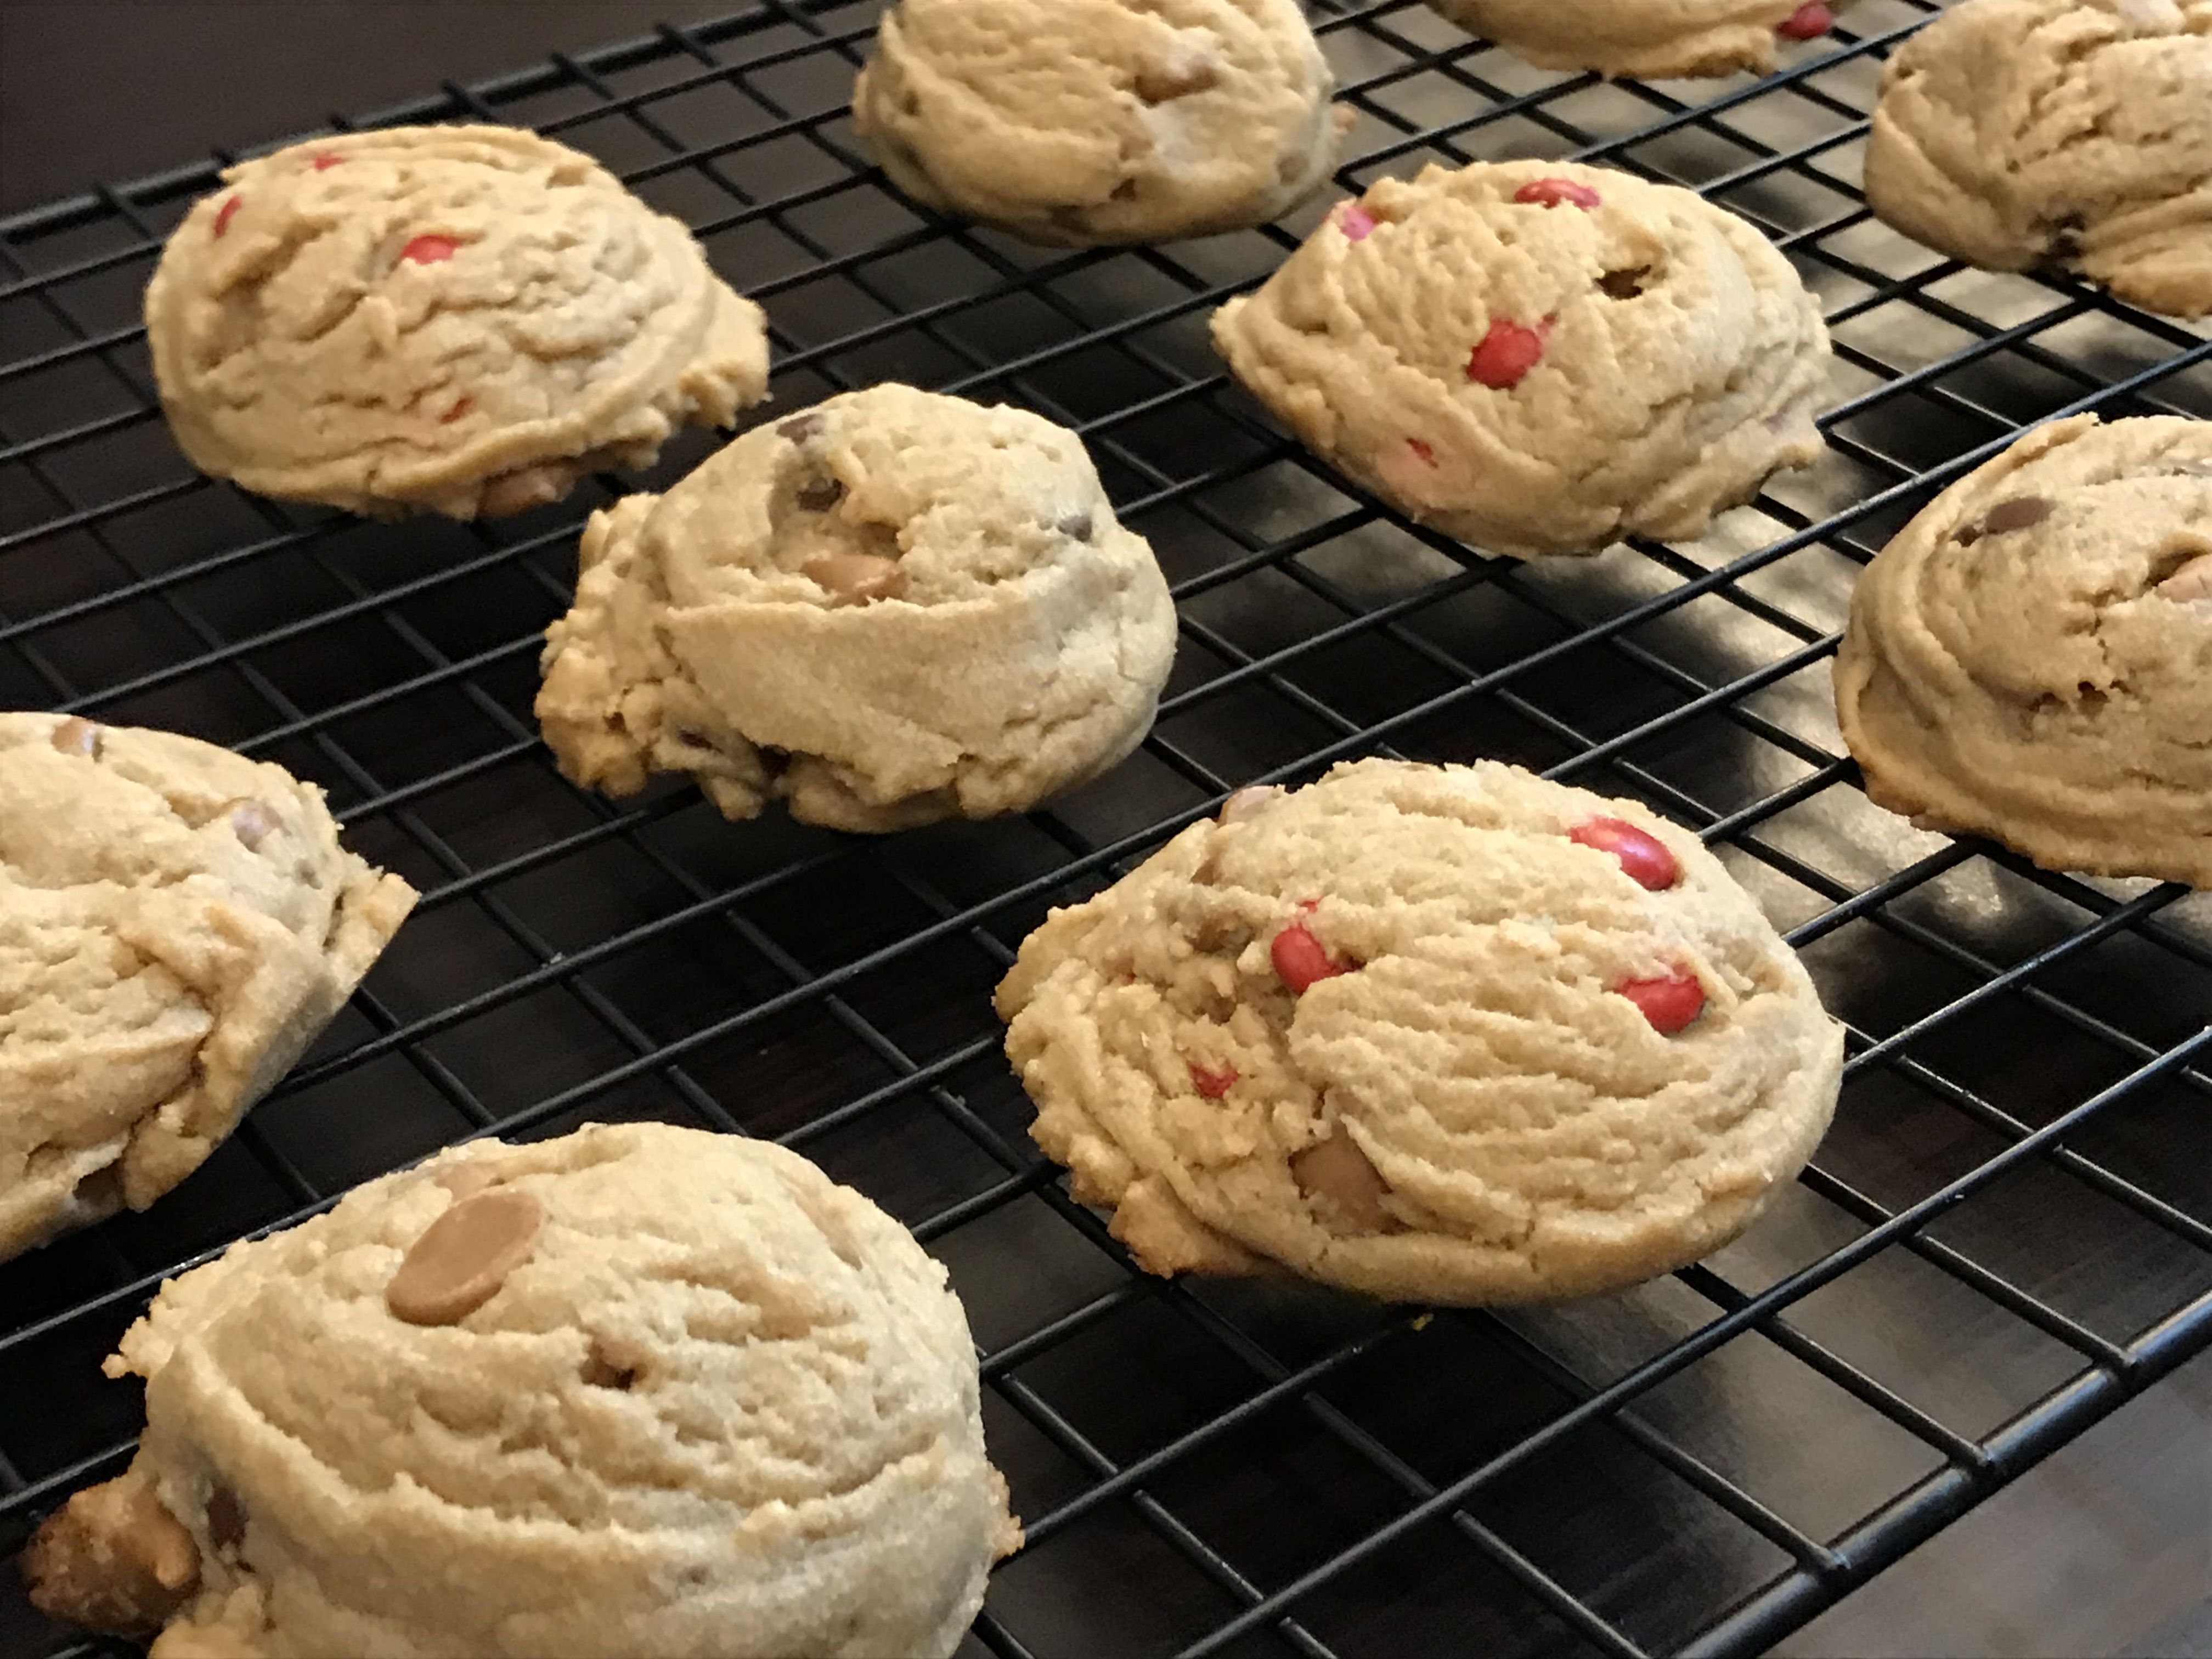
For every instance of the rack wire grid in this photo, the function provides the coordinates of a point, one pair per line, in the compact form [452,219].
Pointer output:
[2007,1233]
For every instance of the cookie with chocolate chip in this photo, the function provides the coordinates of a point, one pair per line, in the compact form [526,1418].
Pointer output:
[1075,122]
[177,923]
[640,1390]
[1440,1034]
[1655,39]
[893,608]
[2031,658]
[1539,357]
[460,320]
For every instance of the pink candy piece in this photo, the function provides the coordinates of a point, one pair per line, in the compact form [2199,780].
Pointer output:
[223,213]
[1808,22]
[323,160]
[1506,354]
[1299,958]
[1551,192]
[430,249]
[1210,1082]
[1422,450]
[1669,1004]
[1641,853]
[1355,222]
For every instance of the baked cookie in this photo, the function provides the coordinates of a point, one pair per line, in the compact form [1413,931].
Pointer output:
[1658,39]
[1072,122]
[1538,357]
[640,1391]
[2031,659]
[2077,133]
[890,609]
[453,319]
[1441,1034]
[177,923]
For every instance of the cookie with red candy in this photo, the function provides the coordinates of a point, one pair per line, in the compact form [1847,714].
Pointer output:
[1540,357]
[1446,1034]
[1658,39]
[454,319]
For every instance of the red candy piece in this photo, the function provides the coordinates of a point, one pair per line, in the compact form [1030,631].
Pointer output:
[1506,354]
[1422,450]
[1210,1083]
[1669,1004]
[1300,959]
[323,160]
[429,250]
[457,411]
[1355,222]
[222,215]
[1641,853]
[1550,192]
[1808,22]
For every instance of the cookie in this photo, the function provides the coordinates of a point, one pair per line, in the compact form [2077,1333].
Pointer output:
[177,923]
[890,609]
[1073,122]
[1539,357]
[2014,134]
[2031,659]
[1655,39]
[1439,1034]
[640,1391]
[452,319]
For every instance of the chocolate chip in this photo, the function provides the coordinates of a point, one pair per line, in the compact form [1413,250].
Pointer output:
[799,428]
[1623,284]
[462,1257]
[820,495]
[77,736]
[1076,526]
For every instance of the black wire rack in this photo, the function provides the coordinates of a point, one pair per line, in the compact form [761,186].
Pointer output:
[2007,1234]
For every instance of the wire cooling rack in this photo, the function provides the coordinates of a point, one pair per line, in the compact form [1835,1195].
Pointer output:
[2007,1233]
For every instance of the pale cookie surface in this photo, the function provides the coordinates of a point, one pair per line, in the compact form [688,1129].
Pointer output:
[1655,39]
[1070,122]
[702,1401]
[453,319]
[2031,659]
[1539,357]
[890,609]
[177,923]
[1450,1035]
[2018,133]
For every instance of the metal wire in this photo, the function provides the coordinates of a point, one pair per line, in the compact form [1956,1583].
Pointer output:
[1281,1468]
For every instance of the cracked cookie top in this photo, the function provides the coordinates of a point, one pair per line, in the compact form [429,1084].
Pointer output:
[460,319]
[889,608]
[1449,1034]
[1070,122]
[177,922]
[1538,356]
[2031,659]
[1652,38]
[2018,133]
[631,1390]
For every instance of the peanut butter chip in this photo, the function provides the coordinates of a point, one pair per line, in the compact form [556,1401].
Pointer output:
[76,736]
[855,578]
[1250,801]
[462,1257]
[253,823]
[1346,1187]
[466,1180]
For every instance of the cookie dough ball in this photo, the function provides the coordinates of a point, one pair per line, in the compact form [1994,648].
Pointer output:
[1071,122]
[2031,659]
[453,319]
[1539,357]
[1656,38]
[640,1391]
[890,609]
[2077,133]
[1440,1034]
[177,923]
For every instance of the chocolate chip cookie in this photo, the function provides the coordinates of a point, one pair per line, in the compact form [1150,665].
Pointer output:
[890,609]
[2031,659]
[1070,122]
[639,1391]
[1440,1034]
[1539,357]
[177,923]
[452,319]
